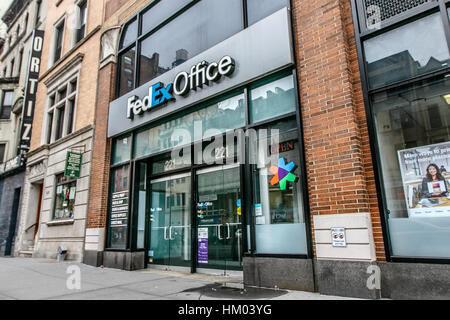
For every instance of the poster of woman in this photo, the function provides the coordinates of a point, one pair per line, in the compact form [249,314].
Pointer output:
[425,180]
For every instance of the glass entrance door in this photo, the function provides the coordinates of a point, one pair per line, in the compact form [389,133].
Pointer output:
[219,218]
[170,221]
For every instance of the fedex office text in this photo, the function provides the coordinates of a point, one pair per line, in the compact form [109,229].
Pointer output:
[200,74]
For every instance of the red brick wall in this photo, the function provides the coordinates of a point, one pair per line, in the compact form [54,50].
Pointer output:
[338,159]
[98,193]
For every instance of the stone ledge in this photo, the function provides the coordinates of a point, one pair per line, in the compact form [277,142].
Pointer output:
[60,222]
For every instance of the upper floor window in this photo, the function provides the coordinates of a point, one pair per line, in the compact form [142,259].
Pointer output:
[191,26]
[61,110]
[11,68]
[58,38]
[7,101]
[82,20]
[259,9]
[25,27]
[2,152]
[38,11]
[414,49]
[20,62]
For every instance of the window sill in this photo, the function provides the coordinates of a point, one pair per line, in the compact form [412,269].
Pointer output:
[61,222]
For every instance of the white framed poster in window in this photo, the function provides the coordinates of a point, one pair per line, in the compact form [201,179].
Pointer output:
[425,180]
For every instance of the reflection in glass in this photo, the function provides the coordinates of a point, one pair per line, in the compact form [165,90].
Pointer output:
[217,118]
[416,48]
[166,163]
[121,150]
[65,197]
[170,221]
[119,208]
[160,12]
[126,76]
[199,28]
[407,118]
[259,9]
[219,215]
[141,210]
[129,35]
[277,200]
[273,99]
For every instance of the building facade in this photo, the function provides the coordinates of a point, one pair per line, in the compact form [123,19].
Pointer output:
[182,194]
[22,18]
[267,143]
[55,198]
[297,144]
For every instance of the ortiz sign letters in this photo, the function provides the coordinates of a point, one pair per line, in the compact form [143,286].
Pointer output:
[29,102]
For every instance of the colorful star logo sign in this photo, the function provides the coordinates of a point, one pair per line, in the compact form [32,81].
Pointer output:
[282,173]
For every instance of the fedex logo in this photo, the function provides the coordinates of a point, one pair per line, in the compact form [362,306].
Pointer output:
[158,94]
[201,74]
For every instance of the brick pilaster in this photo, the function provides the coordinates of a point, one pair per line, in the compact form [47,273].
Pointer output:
[338,158]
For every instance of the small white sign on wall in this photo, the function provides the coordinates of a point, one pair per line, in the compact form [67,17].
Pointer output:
[338,237]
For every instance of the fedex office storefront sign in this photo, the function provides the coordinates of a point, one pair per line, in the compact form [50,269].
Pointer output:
[200,74]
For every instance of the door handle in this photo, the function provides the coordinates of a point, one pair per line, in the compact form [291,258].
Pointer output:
[218,232]
[228,230]
[165,233]
[170,233]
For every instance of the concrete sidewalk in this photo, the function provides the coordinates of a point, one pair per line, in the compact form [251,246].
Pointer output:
[40,279]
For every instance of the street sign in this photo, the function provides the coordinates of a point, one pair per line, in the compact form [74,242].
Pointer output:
[73,164]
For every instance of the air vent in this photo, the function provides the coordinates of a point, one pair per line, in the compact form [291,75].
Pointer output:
[393,8]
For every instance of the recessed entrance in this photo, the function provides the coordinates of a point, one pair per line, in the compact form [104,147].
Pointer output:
[170,221]
[219,218]
[195,220]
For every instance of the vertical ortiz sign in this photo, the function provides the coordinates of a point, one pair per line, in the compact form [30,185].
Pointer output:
[29,102]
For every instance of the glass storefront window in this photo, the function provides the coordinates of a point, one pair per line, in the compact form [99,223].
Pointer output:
[64,197]
[167,163]
[119,205]
[217,118]
[273,99]
[126,72]
[197,29]
[259,9]
[122,149]
[158,13]
[277,193]
[129,35]
[413,133]
[141,203]
[170,221]
[408,51]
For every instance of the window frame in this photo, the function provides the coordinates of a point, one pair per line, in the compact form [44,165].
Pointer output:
[56,185]
[143,34]
[77,31]
[19,71]
[25,25]
[54,57]
[248,251]
[5,150]
[54,105]
[11,67]
[362,34]
[3,95]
